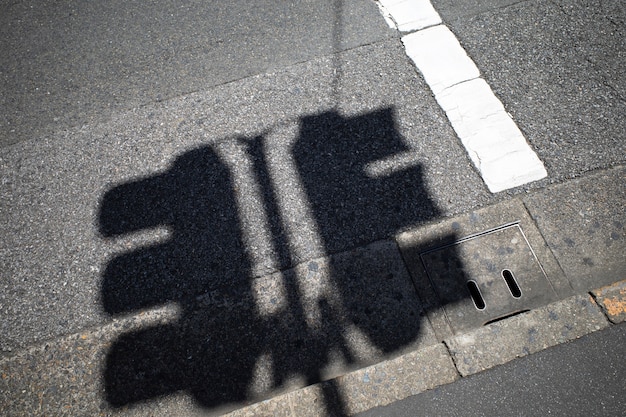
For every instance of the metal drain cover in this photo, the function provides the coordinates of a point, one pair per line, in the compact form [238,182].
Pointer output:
[484,277]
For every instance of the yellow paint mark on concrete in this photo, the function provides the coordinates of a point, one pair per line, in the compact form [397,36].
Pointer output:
[615,305]
[613,300]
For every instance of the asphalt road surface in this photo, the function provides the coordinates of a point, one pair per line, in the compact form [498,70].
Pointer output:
[585,377]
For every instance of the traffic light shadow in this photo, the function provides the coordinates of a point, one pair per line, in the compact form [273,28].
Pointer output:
[319,318]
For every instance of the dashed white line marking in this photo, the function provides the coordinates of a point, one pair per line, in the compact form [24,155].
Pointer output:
[493,141]
[439,57]
[410,15]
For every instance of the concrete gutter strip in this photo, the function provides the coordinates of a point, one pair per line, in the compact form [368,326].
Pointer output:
[524,334]
[370,387]
[64,377]
[397,378]
[472,352]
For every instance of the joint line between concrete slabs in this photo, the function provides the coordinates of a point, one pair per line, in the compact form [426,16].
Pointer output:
[456,368]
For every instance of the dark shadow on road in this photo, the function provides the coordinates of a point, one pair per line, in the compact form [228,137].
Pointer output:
[352,207]
[214,348]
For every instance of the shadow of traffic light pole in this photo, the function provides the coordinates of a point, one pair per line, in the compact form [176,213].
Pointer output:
[213,348]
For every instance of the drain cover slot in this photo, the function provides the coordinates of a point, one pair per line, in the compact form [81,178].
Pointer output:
[511,283]
[483,277]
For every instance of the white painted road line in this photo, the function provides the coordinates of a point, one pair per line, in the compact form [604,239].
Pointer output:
[440,58]
[410,15]
[493,141]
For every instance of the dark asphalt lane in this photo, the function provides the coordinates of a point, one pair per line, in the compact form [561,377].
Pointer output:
[585,377]
[65,64]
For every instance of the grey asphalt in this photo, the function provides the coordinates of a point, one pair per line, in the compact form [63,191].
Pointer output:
[71,63]
[198,155]
[558,67]
[585,377]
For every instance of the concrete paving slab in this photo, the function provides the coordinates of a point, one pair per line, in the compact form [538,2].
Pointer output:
[511,338]
[612,299]
[69,375]
[395,379]
[583,222]
[449,304]
[526,333]
[361,390]
[374,386]
[64,377]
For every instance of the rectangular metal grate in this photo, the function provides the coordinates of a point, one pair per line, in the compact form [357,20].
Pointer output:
[487,276]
